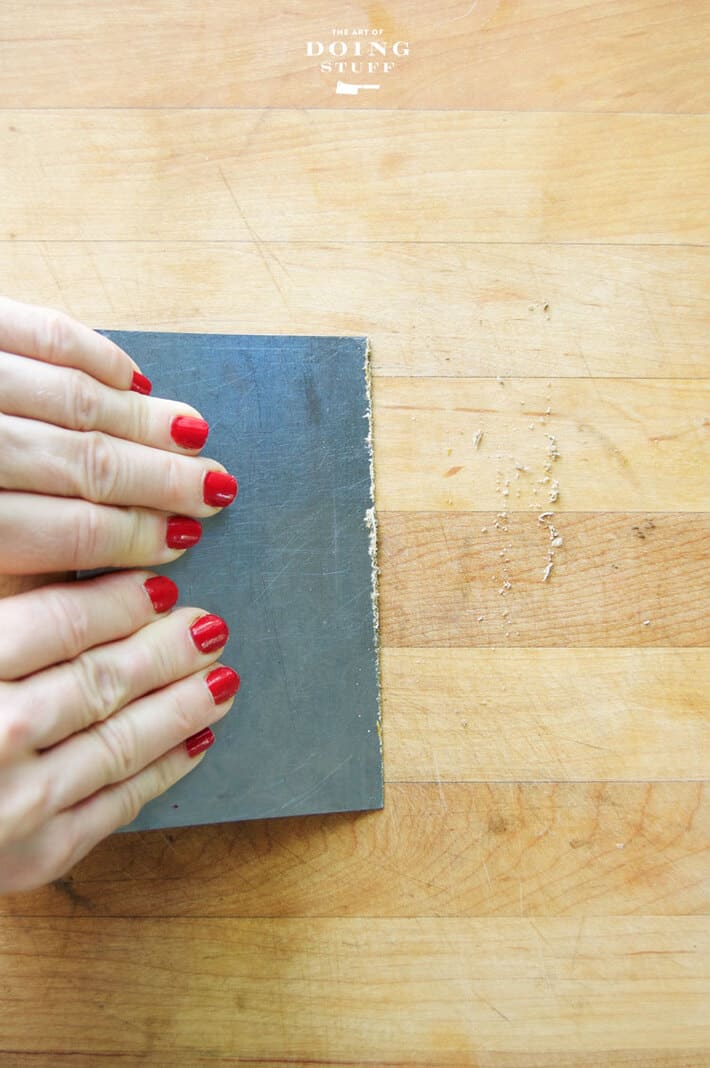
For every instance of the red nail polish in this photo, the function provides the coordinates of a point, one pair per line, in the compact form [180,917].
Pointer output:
[188,432]
[182,533]
[141,384]
[162,591]
[223,683]
[219,489]
[197,743]
[209,632]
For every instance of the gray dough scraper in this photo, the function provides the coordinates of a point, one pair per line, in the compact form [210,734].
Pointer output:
[290,566]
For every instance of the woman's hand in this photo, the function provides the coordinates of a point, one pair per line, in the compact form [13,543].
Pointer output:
[105,703]
[94,472]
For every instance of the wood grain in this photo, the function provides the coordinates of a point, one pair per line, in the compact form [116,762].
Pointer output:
[554,714]
[353,176]
[619,579]
[556,981]
[607,445]
[643,55]
[437,849]
[535,892]
[511,310]
[621,1058]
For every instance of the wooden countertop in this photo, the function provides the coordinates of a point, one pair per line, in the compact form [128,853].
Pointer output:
[518,219]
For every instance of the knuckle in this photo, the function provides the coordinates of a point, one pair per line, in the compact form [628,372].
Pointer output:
[101,687]
[15,730]
[100,466]
[82,401]
[55,336]
[131,801]
[173,478]
[67,618]
[185,711]
[36,805]
[142,416]
[89,534]
[118,749]
[138,538]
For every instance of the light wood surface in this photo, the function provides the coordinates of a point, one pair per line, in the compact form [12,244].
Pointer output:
[518,220]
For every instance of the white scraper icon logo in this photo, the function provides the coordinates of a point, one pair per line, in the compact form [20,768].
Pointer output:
[349,89]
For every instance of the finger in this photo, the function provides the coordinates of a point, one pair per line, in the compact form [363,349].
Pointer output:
[73,696]
[117,805]
[40,458]
[68,836]
[75,400]
[58,623]
[43,533]
[122,745]
[51,336]
[13,584]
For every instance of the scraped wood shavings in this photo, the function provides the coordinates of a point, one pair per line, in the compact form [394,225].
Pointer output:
[556,541]
[371,524]
[477,438]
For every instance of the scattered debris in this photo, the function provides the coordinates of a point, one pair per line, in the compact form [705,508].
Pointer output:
[477,438]
[556,541]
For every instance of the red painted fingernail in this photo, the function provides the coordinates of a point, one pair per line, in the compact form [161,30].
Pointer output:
[141,384]
[197,743]
[182,533]
[188,432]
[162,591]
[223,683]
[209,632]
[219,489]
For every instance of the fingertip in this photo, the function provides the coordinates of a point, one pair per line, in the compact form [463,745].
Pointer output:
[189,432]
[219,489]
[223,683]
[162,591]
[182,532]
[141,384]
[199,743]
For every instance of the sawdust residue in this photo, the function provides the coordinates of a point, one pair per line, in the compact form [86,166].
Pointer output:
[371,524]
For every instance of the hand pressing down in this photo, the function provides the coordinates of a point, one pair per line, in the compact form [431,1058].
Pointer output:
[105,701]
[93,471]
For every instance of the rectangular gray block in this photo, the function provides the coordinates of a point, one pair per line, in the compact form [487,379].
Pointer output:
[288,566]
